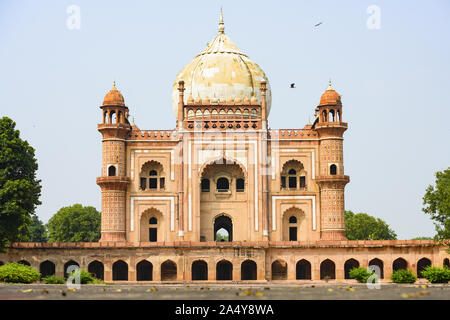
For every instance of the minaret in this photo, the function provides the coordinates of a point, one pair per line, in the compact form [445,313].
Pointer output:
[113,181]
[331,178]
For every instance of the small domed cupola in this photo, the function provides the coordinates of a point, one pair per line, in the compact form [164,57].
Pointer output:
[330,97]
[330,106]
[114,98]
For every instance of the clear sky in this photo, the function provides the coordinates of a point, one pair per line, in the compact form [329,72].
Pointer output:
[394,83]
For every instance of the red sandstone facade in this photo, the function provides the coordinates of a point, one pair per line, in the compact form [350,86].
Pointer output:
[277,194]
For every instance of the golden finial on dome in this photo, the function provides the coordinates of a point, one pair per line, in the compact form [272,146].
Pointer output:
[329,85]
[114,86]
[221,24]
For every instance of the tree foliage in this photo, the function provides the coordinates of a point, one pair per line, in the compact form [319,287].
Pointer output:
[437,204]
[19,188]
[75,224]
[38,232]
[362,226]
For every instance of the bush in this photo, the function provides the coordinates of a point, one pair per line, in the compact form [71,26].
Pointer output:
[85,277]
[53,280]
[360,274]
[18,273]
[436,275]
[403,276]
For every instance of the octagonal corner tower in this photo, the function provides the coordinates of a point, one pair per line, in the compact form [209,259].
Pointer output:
[221,73]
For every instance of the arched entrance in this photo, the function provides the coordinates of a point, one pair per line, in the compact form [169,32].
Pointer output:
[399,263]
[120,271]
[144,271]
[378,263]
[24,262]
[199,270]
[224,270]
[303,270]
[421,265]
[223,226]
[169,271]
[279,270]
[47,268]
[67,265]
[327,270]
[349,265]
[97,269]
[248,270]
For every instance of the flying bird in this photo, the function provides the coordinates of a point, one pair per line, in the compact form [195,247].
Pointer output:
[292,85]
[318,24]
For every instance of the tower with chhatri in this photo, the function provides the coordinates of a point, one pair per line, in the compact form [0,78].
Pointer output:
[221,196]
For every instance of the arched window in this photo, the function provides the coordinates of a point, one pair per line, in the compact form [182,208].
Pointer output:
[246,113]
[205,185]
[190,114]
[293,175]
[112,117]
[111,171]
[70,264]
[223,185]
[240,183]
[153,230]
[254,113]
[153,220]
[333,169]
[152,171]
[292,219]
[223,229]
[324,116]
[198,113]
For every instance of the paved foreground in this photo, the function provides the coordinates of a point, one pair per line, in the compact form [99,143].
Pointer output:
[206,291]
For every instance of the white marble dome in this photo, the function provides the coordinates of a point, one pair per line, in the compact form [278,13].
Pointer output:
[221,73]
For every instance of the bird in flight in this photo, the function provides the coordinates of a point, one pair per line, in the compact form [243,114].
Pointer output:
[318,24]
[292,85]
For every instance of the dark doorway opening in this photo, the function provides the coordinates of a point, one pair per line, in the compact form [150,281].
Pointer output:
[199,270]
[120,270]
[144,271]
[223,222]
[168,271]
[303,270]
[248,270]
[224,270]
[97,269]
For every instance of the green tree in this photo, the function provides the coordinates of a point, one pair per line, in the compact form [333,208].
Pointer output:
[437,204]
[74,224]
[19,188]
[362,226]
[38,232]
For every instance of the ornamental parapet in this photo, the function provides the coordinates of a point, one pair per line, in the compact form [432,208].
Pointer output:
[233,244]
[153,135]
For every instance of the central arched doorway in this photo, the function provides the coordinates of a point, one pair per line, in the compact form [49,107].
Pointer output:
[223,228]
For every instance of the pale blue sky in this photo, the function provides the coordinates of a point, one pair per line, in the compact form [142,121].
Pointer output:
[394,84]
